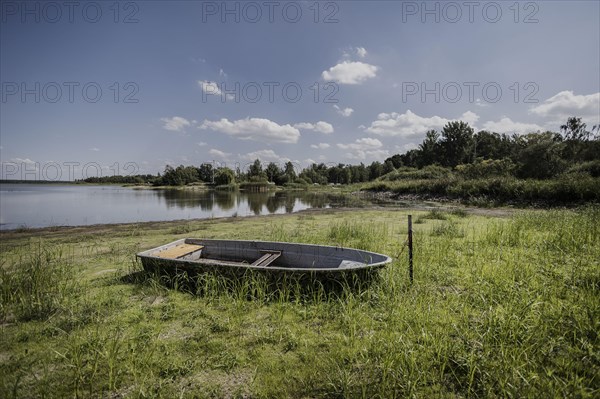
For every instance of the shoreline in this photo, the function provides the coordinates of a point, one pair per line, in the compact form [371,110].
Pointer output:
[104,228]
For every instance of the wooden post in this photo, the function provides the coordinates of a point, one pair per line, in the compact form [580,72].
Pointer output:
[410,249]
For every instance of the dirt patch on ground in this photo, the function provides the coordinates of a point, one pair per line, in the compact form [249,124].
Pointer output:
[105,271]
[492,212]
[235,384]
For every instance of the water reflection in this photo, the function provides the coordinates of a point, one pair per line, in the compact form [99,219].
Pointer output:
[257,203]
[34,205]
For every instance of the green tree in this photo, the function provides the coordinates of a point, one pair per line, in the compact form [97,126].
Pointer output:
[429,149]
[410,158]
[575,130]
[375,170]
[315,173]
[224,176]
[273,172]
[255,171]
[178,177]
[396,160]
[580,144]
[360,173]
[345,174]
[489,145]
[456,143]
[206,172]
[540,155]
[289,172]
[388,166]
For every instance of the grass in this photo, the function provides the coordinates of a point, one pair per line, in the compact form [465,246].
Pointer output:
[500,307]
[39,286]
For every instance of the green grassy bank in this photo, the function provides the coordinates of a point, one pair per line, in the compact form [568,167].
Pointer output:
[497,191]
[501,307]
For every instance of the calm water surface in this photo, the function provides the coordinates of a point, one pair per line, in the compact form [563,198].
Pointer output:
[43,205]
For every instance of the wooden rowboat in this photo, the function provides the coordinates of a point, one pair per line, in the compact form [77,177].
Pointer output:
[237,257]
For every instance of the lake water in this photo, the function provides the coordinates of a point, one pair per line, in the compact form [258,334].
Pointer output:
[44,205]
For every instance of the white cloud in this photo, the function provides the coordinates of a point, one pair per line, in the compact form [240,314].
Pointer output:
[481,104]
[359,51]
[175,124]
[309,161]
[22,160]
[350,72]
[361,155]
[202,144]
[470,117]
[406,147]
[566,103]
[365,143]
[365,148]
[264,156]
[219,153]
[95,149]
[506,125]
[344,112]
[320,127]
[410,124]
[373,154]
[209,87]
[257,129]
[304,125]
[320,146]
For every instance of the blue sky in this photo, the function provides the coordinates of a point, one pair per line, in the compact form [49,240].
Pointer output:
[104,87]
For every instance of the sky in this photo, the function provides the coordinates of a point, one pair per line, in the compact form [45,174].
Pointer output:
[105,87]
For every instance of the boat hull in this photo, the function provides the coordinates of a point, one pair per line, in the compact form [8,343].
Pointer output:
[237,258]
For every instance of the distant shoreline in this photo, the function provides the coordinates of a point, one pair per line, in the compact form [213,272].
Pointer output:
[37,182]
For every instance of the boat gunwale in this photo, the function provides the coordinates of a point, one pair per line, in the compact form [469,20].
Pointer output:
[217,262]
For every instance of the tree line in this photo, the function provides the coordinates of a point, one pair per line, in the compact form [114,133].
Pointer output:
[541,155]
[457,148]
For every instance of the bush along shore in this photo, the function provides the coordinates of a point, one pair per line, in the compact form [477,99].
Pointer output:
[568,190]
[501,306]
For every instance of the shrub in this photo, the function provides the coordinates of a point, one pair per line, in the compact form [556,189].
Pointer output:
[486,168]
[427,173]
[224,177]
[301,181]
[591,168]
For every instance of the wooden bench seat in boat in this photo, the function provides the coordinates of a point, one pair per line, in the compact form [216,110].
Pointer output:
[179,251]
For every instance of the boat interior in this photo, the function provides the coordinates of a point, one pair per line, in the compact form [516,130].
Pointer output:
[260,254]
[193,252]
